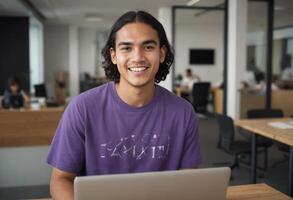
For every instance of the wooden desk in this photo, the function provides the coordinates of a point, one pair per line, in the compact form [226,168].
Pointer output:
[261,127]
[181,90]
[255,192]
[250,192]
[218,96]
[281,99]
[28,127]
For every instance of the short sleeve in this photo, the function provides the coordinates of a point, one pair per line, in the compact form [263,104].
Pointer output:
[192,151]
[6,97]
[67,151]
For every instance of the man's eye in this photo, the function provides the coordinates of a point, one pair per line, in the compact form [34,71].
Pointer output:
[149,47]
[125,48]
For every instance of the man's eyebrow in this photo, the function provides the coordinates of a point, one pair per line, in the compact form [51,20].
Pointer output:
[144,43]
[149,42]
[124,43]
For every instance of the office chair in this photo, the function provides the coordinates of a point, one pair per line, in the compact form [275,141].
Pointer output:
[226,141]
[200,95]
[262,142]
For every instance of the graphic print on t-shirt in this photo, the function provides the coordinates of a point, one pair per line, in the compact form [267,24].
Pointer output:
[152,146]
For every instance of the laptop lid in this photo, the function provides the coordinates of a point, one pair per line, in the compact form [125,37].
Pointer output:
[200,184]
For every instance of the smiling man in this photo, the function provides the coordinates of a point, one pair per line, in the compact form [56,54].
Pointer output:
[129,124]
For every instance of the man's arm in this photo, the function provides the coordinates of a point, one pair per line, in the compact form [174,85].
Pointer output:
[61,185]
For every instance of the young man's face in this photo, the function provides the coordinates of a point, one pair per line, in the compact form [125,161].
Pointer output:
[137,54]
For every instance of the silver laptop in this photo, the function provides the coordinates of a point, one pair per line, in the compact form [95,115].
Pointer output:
[191,184]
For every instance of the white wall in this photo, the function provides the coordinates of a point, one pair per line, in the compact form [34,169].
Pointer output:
[71,49]
[201,36]
[73,62]
[56,52]
[87,50]
[258,39]
[165,17]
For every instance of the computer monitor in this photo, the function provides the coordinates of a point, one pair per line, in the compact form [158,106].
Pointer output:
[201,56]
[40,90]
[190,184]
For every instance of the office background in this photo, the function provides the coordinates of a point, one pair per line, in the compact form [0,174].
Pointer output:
[41,39]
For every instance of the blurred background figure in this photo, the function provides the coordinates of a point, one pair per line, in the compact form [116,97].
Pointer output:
[287,73]
[189,79]
[261,83]
[14,96]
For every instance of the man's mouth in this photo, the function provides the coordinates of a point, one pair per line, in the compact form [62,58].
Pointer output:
[137,69]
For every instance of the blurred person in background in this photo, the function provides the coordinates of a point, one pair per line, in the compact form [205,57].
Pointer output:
[287,73]
[14,96]
[189,79]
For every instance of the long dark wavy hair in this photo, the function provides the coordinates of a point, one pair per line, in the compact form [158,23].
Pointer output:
[111,70]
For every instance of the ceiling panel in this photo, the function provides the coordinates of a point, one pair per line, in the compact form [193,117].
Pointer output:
[73,11]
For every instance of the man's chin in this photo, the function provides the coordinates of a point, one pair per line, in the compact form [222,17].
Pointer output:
[140,84]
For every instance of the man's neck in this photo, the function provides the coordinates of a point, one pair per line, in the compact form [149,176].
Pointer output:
[135,96]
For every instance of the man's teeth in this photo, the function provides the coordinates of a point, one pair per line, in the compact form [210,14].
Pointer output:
[137,69]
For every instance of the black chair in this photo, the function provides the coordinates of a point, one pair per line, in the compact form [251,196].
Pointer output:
[262,142]
[200,96]
[265,113]
[226,142]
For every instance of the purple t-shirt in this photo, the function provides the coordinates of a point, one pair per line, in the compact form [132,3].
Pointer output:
[101,134]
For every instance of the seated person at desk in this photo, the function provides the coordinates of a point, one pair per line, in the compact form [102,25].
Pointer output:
[130,124]
[287,74]
[14,96]
[189,79]
[187,83]
[261,84]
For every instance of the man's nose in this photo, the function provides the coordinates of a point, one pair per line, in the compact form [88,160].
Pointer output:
[138,55]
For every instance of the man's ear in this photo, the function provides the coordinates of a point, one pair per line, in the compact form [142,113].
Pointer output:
[113,56]
[163,52]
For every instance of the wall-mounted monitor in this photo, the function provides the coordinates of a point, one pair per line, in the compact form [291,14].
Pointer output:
[201,56]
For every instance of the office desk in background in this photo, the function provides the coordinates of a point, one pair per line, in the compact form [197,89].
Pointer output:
[28,127]
[217,96]
[250,192]
[261,127]
[281,99]
[181,90]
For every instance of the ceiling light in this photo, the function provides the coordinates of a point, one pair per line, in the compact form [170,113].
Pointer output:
[192,2]
[93,17]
